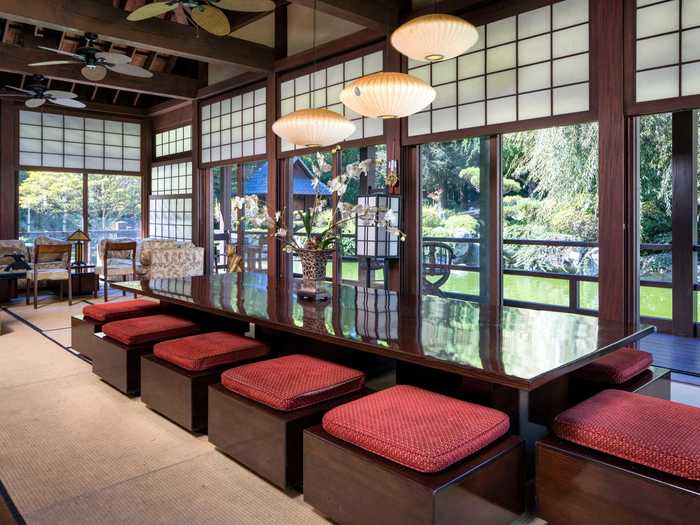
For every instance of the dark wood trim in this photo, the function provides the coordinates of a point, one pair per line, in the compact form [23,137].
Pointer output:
[180,115]
[607,26]
[506,127]
[8,172]
[15,59]
[241,82]
[632,242]
[411,251]
[382,17]
[161,36]
[684,220]
[146,166]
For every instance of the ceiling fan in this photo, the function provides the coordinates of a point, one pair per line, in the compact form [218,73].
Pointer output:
[39,95]
[95,61]
[206,14]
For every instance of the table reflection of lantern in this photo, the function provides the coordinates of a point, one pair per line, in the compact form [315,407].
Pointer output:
[374,244]
[79,237]
[377,313]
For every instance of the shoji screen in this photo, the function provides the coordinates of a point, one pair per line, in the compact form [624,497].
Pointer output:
[532,65]
[234,127]
[668,49]
[52,140]
[322,88]
[174,141]
[170,215]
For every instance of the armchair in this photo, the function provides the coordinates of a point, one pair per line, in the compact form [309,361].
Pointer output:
[163,258]
[59,256]
[118,258]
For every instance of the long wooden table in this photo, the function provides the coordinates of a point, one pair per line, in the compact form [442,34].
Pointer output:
[518,360]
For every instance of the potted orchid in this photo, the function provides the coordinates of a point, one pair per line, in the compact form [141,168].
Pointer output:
[317,229]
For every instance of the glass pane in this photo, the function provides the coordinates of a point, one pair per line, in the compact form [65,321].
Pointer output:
[373,182]
[655,195]
[255,237]
[451,178]
[114,209]
[50,204]
[550,211]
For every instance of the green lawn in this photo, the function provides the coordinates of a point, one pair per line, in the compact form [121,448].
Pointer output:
[655,302]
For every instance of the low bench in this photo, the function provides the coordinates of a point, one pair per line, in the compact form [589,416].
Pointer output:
[120,345]
[258,414]
[621,458]
[408,456]
[94,316]
[175,378]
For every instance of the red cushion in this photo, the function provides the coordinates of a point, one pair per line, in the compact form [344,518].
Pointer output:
[617,368]
[292,382]
[204,351]
[149,329]
[654,432]
[416,428]
[115,311]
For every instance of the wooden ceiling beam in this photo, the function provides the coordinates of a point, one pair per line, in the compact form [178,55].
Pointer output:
[14,59]
[379,15]
[108,21]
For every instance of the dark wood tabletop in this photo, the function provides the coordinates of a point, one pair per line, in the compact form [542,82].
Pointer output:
[518,347]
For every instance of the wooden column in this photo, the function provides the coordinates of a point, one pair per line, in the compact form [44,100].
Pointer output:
[411,256]
[8,170]
[615,273]
[394,61]
[274,200]
[147,156]
[684,220]
[490,225]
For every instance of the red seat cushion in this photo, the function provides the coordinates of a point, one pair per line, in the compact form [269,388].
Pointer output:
[292,382]
[416,428]
[149,329]
[204,351]
[116,311]
[616,368]
[654,432]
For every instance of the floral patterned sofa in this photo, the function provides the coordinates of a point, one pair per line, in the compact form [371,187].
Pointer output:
[158,259]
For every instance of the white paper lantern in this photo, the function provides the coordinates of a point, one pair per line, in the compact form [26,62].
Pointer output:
[313,128]
[436,37]
[387,95]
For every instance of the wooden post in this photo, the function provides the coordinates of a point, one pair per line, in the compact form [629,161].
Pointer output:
[490,226]
[684,220]
[8,170]
[615,271]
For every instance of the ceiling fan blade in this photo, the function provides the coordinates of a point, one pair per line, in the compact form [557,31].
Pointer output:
[113,58]
[67,102]
[52,63]
[25,91]
[55,93]
[211,19]
[60,52]
[131,70]
[251,6]
[150,10]
[95,74]
[34,102]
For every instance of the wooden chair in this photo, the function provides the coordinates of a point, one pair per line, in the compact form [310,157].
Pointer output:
[437,262]
[123,255]
[62,254]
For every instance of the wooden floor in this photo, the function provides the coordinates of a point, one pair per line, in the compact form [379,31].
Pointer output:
[680,354]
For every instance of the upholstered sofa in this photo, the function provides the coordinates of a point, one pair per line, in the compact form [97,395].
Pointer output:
[156,259]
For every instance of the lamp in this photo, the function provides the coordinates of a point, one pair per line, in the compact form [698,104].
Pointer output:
[313,128]
[434,37]
[79,237]
[387,95]
[373,240]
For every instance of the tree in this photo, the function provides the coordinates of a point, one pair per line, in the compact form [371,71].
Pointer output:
[50,202]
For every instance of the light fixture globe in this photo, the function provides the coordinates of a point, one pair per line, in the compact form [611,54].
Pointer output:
[431,38]
[387,95]
[313,128]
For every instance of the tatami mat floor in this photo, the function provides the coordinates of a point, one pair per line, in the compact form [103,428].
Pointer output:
[75,451]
